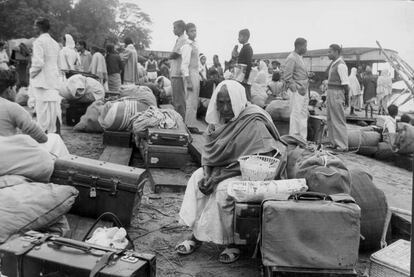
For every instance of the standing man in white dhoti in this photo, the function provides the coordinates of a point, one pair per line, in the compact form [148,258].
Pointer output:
[337,99]
[45,78]
[189,69]
[296,77]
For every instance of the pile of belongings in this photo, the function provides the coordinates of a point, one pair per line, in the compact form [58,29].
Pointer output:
[154,117]
[116,114]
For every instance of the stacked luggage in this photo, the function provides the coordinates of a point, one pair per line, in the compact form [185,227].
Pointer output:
[165,148]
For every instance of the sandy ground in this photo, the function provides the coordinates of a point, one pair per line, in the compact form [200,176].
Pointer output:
[155,227]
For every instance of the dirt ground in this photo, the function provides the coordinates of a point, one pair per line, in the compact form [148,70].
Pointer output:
[155,227]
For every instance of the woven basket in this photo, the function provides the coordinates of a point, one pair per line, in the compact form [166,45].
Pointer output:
[258,168]
[392,261]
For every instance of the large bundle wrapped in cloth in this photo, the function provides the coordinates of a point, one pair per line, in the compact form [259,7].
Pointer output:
[374,207]
[324,172]
[89,121]
[154,117]
[22,96]
[404,141]
[279,110]
[22,155]
[116,115]
[31,206]
[82,89]
[363,138]
[134,91]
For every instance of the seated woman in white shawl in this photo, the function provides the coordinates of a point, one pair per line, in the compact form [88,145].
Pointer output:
[68,57]
[13,117]
[236,128]
[259,86]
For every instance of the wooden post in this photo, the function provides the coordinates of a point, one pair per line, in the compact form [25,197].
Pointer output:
[412,226]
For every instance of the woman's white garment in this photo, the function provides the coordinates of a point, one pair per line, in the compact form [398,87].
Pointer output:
[68,57]
[98,67]
[384,85]
[55,146]
[259,86]
[210,217]
[238,99]
[354,86]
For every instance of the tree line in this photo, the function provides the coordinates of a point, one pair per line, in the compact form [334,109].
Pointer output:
[95,21]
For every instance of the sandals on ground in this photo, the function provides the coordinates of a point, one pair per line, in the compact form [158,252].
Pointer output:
[189,247]
[229,255]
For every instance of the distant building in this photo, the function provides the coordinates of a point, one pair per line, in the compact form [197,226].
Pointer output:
[157,54]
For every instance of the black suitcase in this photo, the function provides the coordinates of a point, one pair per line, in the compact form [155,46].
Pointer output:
[173,137]
[36,254]
[113,138]
[74,112]
[163,156]
[246,223]
[103,187]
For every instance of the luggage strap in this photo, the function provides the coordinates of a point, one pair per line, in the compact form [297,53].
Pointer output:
[104,261]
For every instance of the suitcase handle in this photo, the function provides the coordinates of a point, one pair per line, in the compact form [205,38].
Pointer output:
[114,220]
[167,138]
[310,196]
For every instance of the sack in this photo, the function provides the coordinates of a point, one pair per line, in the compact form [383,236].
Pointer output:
[374,207]
[279,110]
[358,139]
[259,95]
[89,121]
[324,172]
[404,141]
[296,146]
[27,206]
[116,115]
[312,231]
[134,91]
[257,191]
[22,155]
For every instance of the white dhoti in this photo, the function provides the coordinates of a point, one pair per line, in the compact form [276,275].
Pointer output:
[152,76]
[47,107]
[210,217]
[55,146]
[298,122]
[191,100]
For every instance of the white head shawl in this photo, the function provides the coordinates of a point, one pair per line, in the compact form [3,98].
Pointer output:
[69,42]
[353,72]
[238,99]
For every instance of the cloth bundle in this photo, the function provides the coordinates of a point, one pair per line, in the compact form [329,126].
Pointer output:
[154,117]
[404,141]
[279,110]
[31,206]
[134,91]
[257,191]
[117,115]
[109,237]
[83,89]
[89,121]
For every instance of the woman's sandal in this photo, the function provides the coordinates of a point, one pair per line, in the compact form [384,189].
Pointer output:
[229,255]
[189,247]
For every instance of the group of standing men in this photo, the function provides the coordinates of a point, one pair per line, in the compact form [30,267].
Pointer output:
[297,77]
[185,70]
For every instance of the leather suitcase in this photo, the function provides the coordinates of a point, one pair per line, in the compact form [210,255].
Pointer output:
[173,137]
[103,187]
[113,138]
[311,231]
[163,156]
[36,254]
[246,223]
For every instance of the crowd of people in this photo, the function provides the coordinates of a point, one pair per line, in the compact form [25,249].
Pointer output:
[237,93]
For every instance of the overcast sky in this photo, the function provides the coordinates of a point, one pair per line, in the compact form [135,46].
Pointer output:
[274,25]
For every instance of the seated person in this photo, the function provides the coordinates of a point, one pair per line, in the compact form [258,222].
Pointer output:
[390,125]
[13,117]
[236,128]
[275,86]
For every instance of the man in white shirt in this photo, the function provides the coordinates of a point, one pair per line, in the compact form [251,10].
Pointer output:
[45,78]
[337,99]
[177,80]
[189,69]
[85,56]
